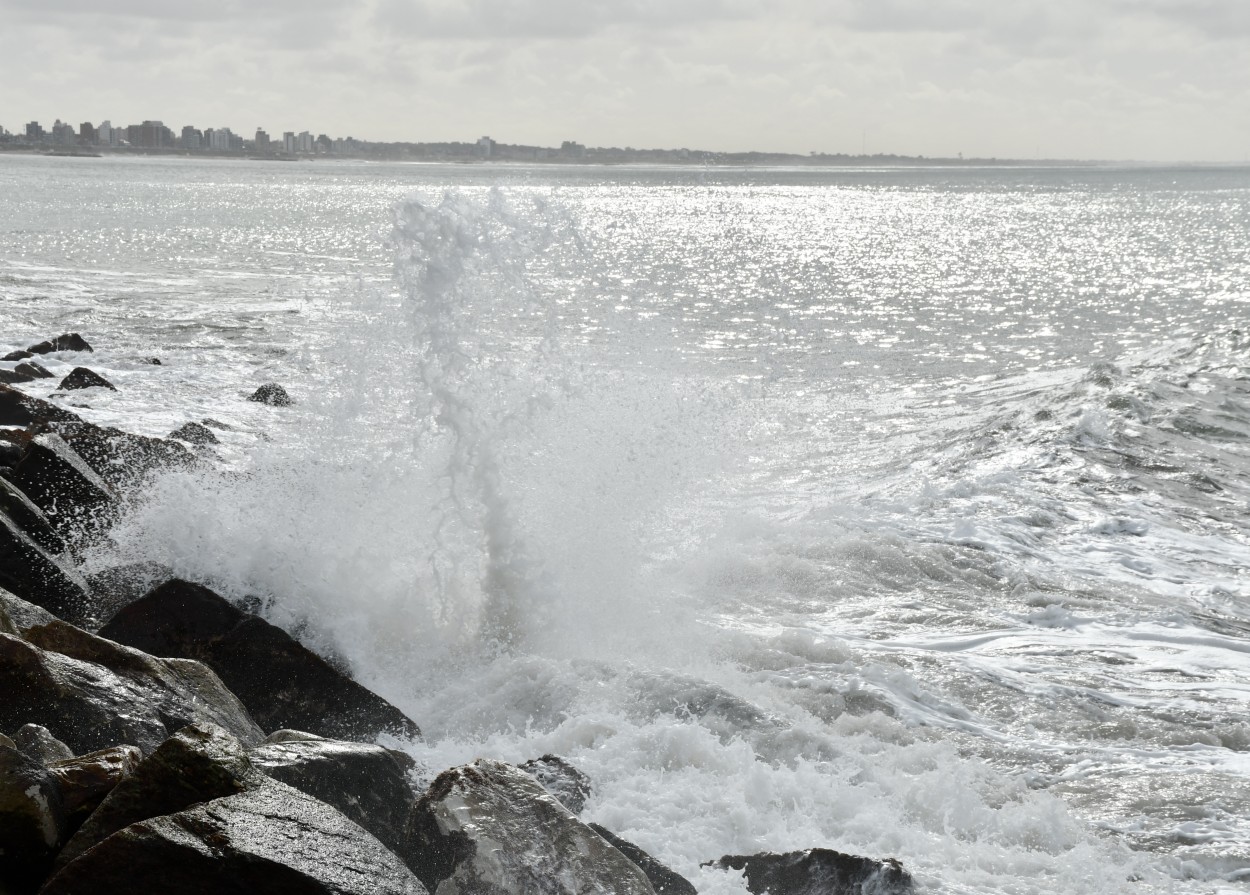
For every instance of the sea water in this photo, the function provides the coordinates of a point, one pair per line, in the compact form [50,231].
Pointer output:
[901,512]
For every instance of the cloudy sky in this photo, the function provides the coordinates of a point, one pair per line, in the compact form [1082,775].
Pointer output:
[1141,79]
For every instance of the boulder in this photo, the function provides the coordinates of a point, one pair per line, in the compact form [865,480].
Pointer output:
[197,764]
[29,518]
[13,377]
[569,785]
[664,880]
[85,781]
[368,783]
[282,682]
[272,394]
[34,370]
[11,449]
[71,494]
[122,459]
[39,743]
[18,615]
[195,433]
[271,838]
[19,409]
[81,377]
[63,342]
[35,575]
[17,355]
[120,586]
[93,693]
[818,871]
[32,821]
[489,827]
[152,361]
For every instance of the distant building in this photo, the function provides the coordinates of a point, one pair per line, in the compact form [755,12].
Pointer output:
[150,135]
[192,138]
[63,134]
[288,142]
[35,132]
[262,141]
[304,143]
[105,135]
[485,147]
[87,134]
[218,138]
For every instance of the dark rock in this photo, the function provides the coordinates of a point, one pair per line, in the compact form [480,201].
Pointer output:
[20,409]
[81,377]
[818,871]
[154,361]
[39,743]
[34,370]
[217,424]
[122,585]
[489,827]
[282,682]
[197,764]
[663,880]
[71,494]
[6,742]
[367,783]
[17,355]
[29,518]
[11,450]
[63,342]
[17,616]
[13,377]
[569,785]
[122,459]
[85,781]
[94,693]
[270,838]
[32,821]
[195,433]
[38,577]
[272,394]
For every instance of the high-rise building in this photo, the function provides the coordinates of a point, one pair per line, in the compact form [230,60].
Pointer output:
[218,138]
[86,133]
[304,143]
[34,132]
[63,134]
[192,138]
[262,141]
[153,135]
[288,142]
[105,134]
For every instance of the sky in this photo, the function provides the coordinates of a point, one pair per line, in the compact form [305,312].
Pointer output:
[1165,80]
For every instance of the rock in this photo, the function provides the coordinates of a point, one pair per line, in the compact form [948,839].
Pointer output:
[662,879]
[39,743]
[19,409]
[95,693]
[34,370]
[489,827]
[122,585]
[818,871]
[282,682]
[195,433]
[18,615]
[122,459]
[10,450]
[569,785]
[17,355]
[217,424]
[199,763]
[85,781]
[29,518]
[63,342]
[30,572]
[368,783]
[71,494]
[81,377]
[32,821]
[271,839]
[13,377]
[153,361]
[272,394]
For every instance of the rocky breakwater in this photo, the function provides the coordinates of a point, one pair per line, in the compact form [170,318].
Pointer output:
[155,736]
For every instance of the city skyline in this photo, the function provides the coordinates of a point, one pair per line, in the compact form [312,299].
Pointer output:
[1099,79]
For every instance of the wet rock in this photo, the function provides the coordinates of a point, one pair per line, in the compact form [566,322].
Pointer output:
[271,839]
[17,355]
[94,693]
[34,370]
[121,585]
[489,827]
[13,377]
[153,361]
[199,763]
[818,871]
[10,450]
[569,785]
[71,494]
[81,377]
[29,518]
[368,783]
[20,409]
[18,615]
[272,394]
[282,682]
[664,880]
[35,575]
[217,424]
[122,459]
[32,821]
[63,342]
[6,742]
[195,433]
[85,781]
[39,743]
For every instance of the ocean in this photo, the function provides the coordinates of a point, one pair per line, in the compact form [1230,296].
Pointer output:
[897,511]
